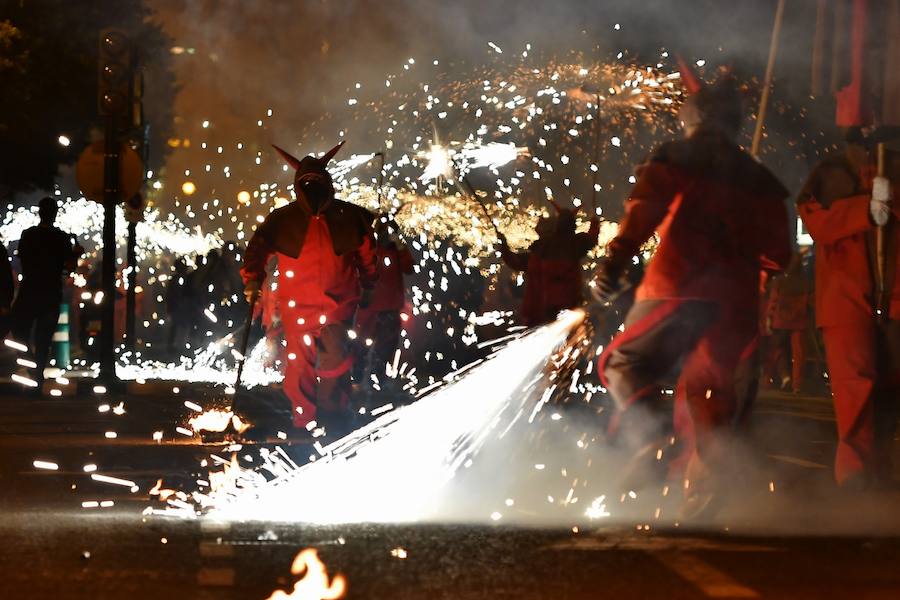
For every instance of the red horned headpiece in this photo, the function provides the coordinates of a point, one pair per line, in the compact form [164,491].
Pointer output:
[310,167]
[715,106]
[689,78]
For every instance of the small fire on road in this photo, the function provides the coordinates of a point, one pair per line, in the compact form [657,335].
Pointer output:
[313,583]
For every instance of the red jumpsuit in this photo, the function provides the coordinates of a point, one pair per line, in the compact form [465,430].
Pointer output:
[862,351]
[553,272]
[380,321]
[531,312]
[720,218]
[324,257]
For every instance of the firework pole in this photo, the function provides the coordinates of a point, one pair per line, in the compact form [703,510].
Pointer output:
[767,85]
[470,191]
[596,165]
[380,155]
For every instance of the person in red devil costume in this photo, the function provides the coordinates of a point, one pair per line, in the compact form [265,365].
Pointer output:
[379,324]
[842,205]
[721,218]
[552,267]
[531,312]
[787,322]
[326,264]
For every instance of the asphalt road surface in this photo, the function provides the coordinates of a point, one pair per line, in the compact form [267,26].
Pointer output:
[806,541]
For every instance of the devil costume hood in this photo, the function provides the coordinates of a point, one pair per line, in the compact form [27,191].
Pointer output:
[348,226]
[719,214]
[284,230]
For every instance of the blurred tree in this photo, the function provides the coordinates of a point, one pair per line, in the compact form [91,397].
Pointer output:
[48,74]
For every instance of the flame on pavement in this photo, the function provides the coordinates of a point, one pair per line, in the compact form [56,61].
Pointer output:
[313,583]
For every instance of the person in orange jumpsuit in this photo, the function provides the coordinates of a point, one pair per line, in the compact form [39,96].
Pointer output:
[721,219]
[326,265]
[842,205]
[379,324]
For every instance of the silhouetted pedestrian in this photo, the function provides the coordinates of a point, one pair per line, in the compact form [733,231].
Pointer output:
[46,254]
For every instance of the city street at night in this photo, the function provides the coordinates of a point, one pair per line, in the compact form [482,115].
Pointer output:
[417,299]
[799,545]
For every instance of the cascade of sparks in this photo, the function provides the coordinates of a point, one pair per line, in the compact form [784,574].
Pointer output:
[523,132]
[393,469]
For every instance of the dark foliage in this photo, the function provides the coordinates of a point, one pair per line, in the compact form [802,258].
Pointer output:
[48,83]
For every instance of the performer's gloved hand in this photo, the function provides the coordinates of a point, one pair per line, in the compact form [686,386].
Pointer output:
[251,290]
[607,280]
[880,204]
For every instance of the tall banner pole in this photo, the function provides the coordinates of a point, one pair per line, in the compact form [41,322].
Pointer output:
[767,85]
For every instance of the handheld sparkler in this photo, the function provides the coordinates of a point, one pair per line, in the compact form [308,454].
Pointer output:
[469,190]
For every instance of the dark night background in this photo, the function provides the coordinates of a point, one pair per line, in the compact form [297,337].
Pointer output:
[229,61]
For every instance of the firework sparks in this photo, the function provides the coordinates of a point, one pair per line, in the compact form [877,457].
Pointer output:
[391,470]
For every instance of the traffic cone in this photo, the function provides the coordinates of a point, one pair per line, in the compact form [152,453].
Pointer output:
[61,338]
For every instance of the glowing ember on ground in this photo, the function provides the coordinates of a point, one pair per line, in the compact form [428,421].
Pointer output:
[217,420]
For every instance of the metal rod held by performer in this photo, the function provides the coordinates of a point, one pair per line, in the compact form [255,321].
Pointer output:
[471,192]
[380,178]
[879,246]
[596,164]
[245,341]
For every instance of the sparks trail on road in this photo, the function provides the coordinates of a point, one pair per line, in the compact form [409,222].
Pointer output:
[395,469]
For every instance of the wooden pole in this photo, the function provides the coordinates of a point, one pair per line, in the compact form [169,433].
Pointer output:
[817,85]
[767,85]
[879,247]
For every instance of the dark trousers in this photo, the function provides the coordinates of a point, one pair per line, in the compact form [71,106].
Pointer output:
[700,343]
[33,324]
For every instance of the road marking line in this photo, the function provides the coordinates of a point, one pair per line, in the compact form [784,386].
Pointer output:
[801,462]
[709,580]
[222,577]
